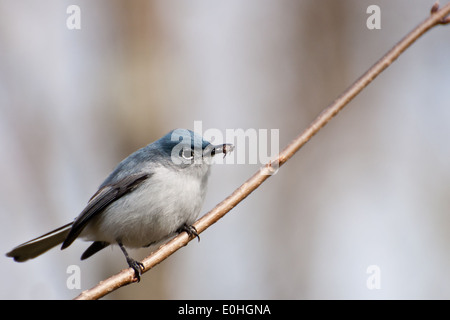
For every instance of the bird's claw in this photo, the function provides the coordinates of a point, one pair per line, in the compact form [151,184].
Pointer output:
[190,230]
[138,268]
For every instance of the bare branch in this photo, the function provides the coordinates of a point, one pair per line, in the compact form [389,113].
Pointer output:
[437,17]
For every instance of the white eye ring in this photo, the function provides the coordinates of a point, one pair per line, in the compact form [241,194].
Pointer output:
[187,154]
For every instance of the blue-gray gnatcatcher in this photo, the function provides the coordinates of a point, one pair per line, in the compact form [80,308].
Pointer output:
[152,194]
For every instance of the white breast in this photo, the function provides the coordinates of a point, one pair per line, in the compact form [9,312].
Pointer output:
[155,210]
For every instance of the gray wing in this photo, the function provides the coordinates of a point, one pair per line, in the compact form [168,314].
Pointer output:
[100,200]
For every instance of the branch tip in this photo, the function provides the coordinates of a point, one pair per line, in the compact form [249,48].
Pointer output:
[435,7]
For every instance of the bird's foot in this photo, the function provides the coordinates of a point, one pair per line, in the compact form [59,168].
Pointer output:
[190,230]
[137,266]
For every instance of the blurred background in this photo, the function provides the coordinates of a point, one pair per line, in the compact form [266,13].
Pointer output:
[370,189]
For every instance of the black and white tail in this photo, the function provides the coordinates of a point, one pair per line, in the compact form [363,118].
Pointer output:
[33,248]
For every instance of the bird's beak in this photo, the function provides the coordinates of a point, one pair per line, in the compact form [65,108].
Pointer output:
[225,148]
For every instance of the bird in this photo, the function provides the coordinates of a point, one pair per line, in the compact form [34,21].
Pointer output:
[153,194]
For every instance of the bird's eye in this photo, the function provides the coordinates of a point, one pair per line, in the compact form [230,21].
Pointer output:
[187,154]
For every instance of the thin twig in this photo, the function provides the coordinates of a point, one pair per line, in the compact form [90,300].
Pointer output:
[438,16]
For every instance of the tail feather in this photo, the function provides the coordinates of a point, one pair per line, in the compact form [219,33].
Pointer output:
[33,248]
